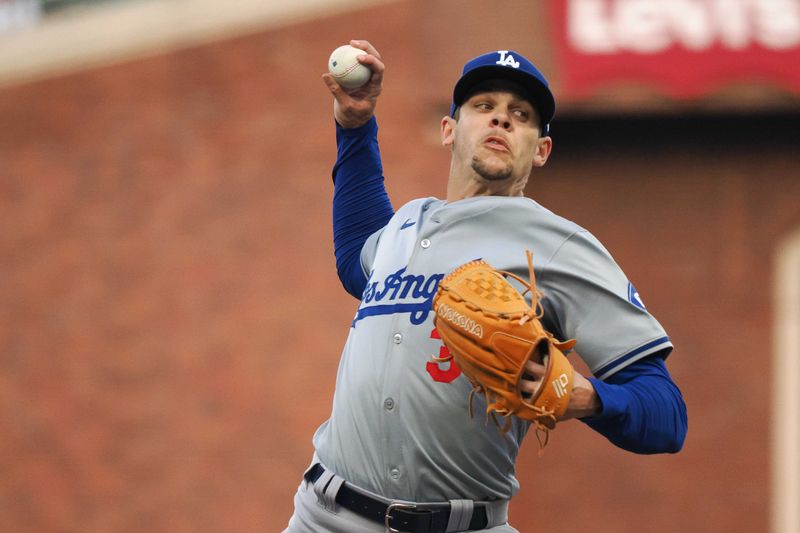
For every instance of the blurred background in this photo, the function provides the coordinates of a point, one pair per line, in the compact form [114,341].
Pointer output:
[170,317]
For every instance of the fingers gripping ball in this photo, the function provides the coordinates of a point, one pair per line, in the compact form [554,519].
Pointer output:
[345,68]
[491,332]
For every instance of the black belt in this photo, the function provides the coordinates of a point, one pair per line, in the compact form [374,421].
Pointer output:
[409,518]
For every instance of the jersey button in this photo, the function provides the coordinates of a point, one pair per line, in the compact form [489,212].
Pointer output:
[425,243]
[398,338]
[395,473]
[388,403]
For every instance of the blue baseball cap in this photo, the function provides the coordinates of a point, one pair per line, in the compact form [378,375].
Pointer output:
[509,65]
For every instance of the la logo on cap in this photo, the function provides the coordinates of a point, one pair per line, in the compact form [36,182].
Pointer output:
[507,60]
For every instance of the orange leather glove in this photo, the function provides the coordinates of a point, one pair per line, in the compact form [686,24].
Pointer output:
[491,332]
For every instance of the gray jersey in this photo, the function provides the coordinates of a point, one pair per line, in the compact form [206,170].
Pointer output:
[400,425]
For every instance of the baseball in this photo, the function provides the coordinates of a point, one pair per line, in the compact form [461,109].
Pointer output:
[345,68]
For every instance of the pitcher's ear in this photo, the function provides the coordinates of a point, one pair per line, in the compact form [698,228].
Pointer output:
[448,128]
[543,148]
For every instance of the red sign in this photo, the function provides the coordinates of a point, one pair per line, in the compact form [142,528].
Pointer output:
[686,48]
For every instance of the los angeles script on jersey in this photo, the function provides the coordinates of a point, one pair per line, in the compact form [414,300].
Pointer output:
[399,292]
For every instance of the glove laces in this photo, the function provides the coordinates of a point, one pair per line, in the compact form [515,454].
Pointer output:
[536,310]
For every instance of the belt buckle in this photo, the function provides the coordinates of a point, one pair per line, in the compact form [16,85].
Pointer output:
[392,507]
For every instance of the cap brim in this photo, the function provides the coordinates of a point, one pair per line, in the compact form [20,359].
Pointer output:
[535,91]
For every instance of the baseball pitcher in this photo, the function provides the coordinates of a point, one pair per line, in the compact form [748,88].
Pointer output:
[469,308]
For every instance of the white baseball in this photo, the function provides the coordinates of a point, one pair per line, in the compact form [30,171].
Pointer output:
[345,68]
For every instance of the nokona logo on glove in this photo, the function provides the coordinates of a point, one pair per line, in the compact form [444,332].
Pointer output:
[456,318]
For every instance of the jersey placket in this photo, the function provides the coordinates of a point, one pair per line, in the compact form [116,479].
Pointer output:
[394,390]
[394,434]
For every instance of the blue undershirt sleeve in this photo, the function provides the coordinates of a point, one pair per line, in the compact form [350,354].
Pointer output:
[361,204]
[642,408]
